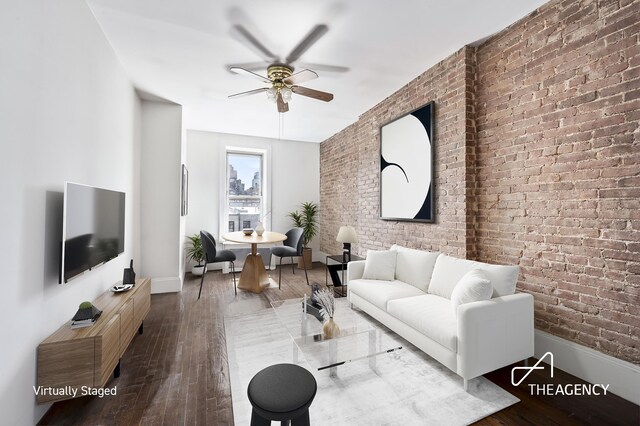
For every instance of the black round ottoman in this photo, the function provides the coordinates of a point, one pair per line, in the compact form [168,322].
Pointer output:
[282,392]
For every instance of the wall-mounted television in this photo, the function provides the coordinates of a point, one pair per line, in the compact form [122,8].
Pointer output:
[92,228]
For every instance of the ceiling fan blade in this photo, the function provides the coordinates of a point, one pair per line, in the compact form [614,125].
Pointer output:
[254,44]
[249,92]
[313,36]
[312,93]
[238,70]
[282,105]
[323,67]
[300,77]
[250,66]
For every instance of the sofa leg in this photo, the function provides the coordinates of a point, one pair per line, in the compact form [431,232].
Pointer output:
[466,385]
[526,362]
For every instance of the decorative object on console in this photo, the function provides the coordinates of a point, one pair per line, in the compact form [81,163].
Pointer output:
[86,315]
[406,167]
[120,288]
[307,219]
[347,235]
[325,298]
[129,276]
[195,252]
[86,310]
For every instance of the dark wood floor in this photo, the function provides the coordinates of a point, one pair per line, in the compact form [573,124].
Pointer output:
[176,372]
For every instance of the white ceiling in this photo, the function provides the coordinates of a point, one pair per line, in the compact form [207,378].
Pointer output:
[179,50]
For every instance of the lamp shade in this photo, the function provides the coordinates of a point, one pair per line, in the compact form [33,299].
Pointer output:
[347,234]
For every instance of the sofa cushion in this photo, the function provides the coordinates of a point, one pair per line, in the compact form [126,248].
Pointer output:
[474,286]
[449,270]
[378,292]
[430,315]
[380,265]
[415,266]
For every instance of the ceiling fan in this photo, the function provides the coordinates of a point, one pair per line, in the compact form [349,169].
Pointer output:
[281,79]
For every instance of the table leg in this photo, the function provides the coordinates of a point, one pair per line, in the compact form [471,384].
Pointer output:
[372,349]
[254,276]
[333,357]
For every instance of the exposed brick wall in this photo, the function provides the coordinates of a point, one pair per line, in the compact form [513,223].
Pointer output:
[558,167]
[537,163]
[349,168]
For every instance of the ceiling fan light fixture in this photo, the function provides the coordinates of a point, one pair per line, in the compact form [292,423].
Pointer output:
[272,94]
[286,94]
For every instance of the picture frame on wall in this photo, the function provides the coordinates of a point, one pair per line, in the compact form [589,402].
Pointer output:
[184,192]
[406,167]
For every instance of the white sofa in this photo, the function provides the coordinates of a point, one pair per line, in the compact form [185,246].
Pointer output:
[471,339]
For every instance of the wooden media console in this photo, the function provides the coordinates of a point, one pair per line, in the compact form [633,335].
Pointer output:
[73,358]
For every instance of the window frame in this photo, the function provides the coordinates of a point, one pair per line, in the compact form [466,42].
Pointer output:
[224,184]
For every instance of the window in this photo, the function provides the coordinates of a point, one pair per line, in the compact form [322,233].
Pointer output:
[245,203]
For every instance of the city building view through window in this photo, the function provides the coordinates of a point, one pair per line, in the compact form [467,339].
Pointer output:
[244,190]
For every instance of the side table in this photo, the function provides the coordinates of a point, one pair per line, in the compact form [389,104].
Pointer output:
[339,265]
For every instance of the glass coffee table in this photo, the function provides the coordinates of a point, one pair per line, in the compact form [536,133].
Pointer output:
[359,338]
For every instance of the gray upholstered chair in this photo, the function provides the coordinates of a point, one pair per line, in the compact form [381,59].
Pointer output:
[211,255]
[292,247]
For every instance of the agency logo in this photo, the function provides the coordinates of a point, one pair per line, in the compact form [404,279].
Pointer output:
[529,370]
[552,389]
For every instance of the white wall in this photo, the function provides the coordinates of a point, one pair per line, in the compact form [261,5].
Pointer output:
[295,174]
[67,112]
[161,229]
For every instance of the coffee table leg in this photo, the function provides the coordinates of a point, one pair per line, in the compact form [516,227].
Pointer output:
[372,349]
[333,357]
[295,353]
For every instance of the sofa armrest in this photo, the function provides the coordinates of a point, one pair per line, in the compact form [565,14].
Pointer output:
[494,333]
[355,269]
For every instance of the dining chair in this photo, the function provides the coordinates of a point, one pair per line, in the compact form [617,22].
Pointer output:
[292,247]
[211,255]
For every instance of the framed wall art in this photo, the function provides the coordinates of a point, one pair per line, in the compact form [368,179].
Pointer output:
[406,167]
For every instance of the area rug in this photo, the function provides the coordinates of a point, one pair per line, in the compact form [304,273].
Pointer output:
[407,386]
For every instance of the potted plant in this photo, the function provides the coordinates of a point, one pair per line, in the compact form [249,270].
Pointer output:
[195,252]
[307,219]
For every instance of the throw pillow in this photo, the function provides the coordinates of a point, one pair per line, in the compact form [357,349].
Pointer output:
[472,287]
[415,266]
[380,265]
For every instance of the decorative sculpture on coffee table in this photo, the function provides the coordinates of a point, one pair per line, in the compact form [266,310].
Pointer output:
[326,300]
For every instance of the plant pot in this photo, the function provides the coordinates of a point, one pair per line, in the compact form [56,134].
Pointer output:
[197,270]
[308,259]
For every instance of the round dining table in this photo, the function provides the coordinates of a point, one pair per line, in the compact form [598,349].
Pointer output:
[254,277]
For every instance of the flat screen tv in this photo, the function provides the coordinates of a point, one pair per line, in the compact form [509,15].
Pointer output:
[92,228]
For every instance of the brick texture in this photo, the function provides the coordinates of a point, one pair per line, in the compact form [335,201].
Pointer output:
[558,166]
[349,170]
[537,164]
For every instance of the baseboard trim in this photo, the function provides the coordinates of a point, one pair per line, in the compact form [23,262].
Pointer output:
[591,365]
[166,285]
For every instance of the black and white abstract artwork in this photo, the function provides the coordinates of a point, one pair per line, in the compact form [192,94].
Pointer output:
[406,167]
